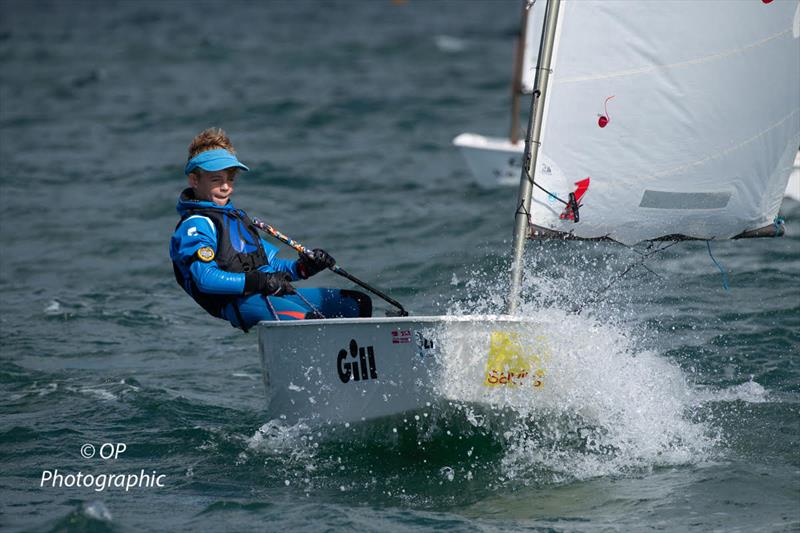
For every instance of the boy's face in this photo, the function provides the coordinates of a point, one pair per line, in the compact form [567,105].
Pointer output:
[215,186]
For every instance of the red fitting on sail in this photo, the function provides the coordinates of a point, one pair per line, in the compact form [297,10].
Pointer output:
[571,211]
[605,119]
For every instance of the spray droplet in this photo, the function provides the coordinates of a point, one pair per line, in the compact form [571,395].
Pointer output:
[447,473]
[602,121]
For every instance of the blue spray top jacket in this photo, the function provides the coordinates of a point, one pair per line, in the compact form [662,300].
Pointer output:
[213,247]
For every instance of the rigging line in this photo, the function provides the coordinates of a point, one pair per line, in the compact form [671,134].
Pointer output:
[662,248]
[642,259]
[522,211]
[653,272]
[316,313]
[650,245]
[271,308]
[530,179]
[722,270]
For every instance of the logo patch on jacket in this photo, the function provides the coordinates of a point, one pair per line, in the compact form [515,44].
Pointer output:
[206,254]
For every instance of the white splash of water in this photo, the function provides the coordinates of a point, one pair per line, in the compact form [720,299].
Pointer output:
[447,473]
[749,392]
[97,510]
[53,308]
[604,406]
[295,443]
[245,375]
[631,409]
[99,393]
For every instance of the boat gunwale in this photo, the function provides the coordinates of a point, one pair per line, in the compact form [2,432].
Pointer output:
[266,324]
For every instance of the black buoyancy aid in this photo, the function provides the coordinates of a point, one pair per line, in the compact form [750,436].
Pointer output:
[239,249]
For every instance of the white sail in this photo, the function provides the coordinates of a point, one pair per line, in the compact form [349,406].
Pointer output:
[684,115]
[793,188]
[533,36]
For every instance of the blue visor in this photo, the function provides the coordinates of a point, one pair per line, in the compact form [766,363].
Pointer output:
[213,160]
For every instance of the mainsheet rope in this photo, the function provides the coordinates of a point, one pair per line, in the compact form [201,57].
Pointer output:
[722,270]
[644,257]
[641,262]
[315,313]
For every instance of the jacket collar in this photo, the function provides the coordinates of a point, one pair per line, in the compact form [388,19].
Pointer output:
[187,202]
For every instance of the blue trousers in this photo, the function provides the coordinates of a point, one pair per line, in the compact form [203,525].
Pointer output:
[309,303]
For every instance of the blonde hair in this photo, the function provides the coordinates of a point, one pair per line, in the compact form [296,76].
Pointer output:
[210,139]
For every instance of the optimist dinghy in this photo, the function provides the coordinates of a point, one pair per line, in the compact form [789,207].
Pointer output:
[706,125]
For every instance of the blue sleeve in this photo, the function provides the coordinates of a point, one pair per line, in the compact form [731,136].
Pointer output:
[211,279]
[199,232]
[276,264]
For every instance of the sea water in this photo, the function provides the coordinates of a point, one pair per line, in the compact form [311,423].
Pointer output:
[682,409]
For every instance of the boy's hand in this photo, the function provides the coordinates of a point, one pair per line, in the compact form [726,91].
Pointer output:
[319,260]
[270,284]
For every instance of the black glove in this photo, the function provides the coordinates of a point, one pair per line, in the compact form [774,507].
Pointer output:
[319,260]
[271,284]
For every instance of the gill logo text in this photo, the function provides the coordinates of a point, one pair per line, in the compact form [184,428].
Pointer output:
[358,365]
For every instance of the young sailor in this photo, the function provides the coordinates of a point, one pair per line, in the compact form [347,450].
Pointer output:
[222,262]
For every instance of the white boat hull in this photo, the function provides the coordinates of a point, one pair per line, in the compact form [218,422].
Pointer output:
[350,370]
[493,161]
[496,162]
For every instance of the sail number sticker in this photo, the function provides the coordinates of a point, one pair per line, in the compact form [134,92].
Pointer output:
[511,363]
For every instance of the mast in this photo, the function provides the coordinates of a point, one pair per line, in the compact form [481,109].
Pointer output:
[516,77]
[532,142]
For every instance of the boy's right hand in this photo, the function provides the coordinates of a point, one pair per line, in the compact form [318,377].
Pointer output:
[268,283]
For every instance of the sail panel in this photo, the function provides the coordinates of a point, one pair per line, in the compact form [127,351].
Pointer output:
[533,37]
[685,116]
